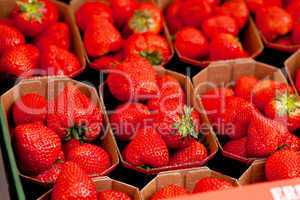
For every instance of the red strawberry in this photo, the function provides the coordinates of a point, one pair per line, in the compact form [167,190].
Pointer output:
[34,16]
[293,9]
[296,34]
[123,10]
[297,80]
[225,46]
[191,43]
[101,37]
[172,16]
[135,78]
[37,146]
[208,184]
[69,145]
[89,11]
[255,5]
[151,46]
[282,164]
[9,37]
[285,41]
[20,61]
[105,62]
[195,152]
[127,118]
[170,191]
[73,114]
[7,22]
[73,183]
[50,175]
[147,148]
[290,142]
[30,107]
[237,147]
[244,87]
[57,34]
[113,195]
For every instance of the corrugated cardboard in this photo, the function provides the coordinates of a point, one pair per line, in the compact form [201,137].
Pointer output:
[254,174]
[291,65]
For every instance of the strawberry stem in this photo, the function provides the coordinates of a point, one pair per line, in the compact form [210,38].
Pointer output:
[185,125]
[153,57]
[141,21]
[32,9]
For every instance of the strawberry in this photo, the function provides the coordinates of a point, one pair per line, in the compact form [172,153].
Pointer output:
[50,175]
[191,43]
[101,37]
[293,9]
[237,147]
[296,34]
[69,145]
[219,24]
[135,78]
[225,46]
[7,22]
[126,118]
[9,37]
[282,164]
[285,41]
[73,114]
[169,191]
[195,152]
[146,18]
[273,22]
[57,34]
[297,80]
[147,148]
[151,46]
[20,61]
[91,158]
[113,195]
[34,16]
[123,10]
[208,184]
[172,16]
[244,86]
[37,147]
[105,63]
[254,5]
[28,108]
[90,11]
[73,183]
[290,142]
[58,61]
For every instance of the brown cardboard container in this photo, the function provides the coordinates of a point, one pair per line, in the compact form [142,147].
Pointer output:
[254,174]
[249,37]
[6,7]
[49,87]
[225,74]
[185,178]
[209,138]
[75,4]
[105,183]
[291,65]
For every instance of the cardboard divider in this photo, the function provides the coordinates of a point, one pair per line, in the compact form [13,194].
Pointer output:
[224,75]
[291,65]
[6,6]
[254,174]
[106,183]
[49,88]
[185,178]
[209,138]
[249,38]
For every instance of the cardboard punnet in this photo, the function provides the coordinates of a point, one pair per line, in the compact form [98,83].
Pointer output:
[291,65]
[224,75]
[49,87]
[66,16]
[254,174]
[186,178]
[209,139]
[106,183]
[249,38]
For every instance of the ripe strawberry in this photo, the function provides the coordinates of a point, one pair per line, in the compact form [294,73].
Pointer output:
[195,152]
[20,61]
[9,37]
[106,62]
[135,79]
[7,22]
[57,34]
[191,43]
[151,46]
[297,80]
[73,183]
[273,22]
[170,191]
[293,9]
[71,144]
[244,87]
[219,24]
[147,148]
[225,46]
[123,10]
[28,108]
[73,115]
[34,16]
[146,18]
[255,5]
[237,147]
[113,195]
[296,34]
[50,175]
[282,164]
[285,41]
[208,184]
[172,16]
[290,142]
[127,118]
[37,147]
[101,37]
[90,11]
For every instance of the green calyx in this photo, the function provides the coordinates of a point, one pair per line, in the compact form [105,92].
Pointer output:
[185,125]
[287,104]
[76,132]
[154,57]
[141,21]
[33,10]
